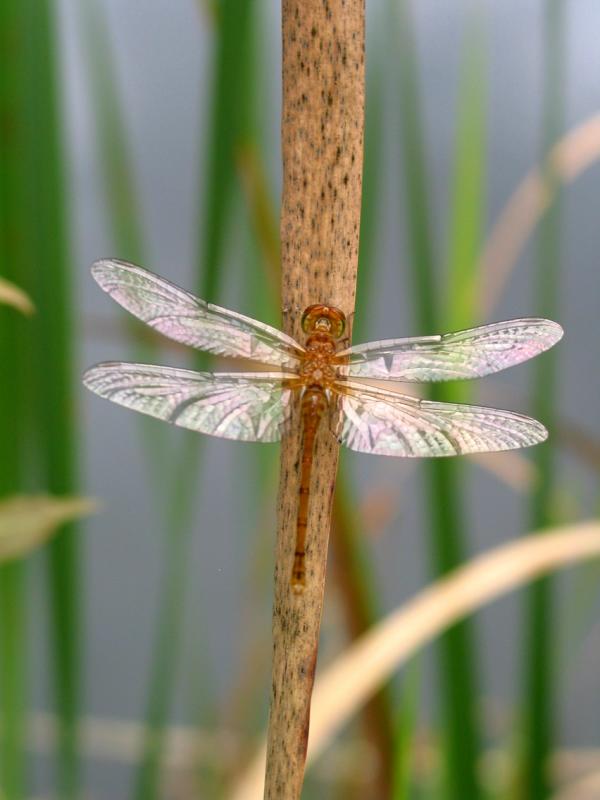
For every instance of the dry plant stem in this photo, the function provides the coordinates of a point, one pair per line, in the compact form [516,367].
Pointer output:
[322,143]
[360,614]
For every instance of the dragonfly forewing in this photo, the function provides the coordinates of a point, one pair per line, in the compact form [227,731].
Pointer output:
[187,319]
[471,353]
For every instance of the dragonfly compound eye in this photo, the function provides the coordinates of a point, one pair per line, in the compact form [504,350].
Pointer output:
[324,319]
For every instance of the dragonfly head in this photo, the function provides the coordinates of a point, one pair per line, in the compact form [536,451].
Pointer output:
[324,319]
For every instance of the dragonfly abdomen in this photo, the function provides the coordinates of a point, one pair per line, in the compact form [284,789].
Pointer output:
[314,405]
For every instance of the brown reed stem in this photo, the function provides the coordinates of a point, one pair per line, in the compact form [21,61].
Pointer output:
[322,142]
[359,607]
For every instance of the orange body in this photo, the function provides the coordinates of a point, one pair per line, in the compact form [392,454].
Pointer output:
[325,326]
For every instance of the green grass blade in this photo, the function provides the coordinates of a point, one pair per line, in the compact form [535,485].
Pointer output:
[459,680]
[406,732]
[168,628]
[37,230]
[121,203]
[54,337]
[419,226]
[447,520]
[13,674]
[262,222]
[538,688]
[126,228]
[467,206]
[465,234]
[13,405]
[228,119]
[121,194]
[372,191]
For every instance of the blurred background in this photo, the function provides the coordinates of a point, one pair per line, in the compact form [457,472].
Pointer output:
[135,644]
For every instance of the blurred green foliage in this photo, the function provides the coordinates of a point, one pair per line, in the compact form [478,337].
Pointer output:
[38,367]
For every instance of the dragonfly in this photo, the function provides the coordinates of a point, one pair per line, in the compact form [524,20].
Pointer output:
[330,380]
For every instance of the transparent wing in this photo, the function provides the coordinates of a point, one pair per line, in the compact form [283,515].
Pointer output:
[466,354]
[187,319]
[386,423]
[249,407]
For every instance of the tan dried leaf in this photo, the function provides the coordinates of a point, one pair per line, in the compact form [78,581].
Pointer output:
[578,150]
[27,521]
[13,296]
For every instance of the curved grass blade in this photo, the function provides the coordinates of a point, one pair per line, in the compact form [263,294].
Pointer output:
[573,154]
[368,663]
[11,295]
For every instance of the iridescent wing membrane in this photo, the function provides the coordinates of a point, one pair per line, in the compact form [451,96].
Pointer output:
[243,406]
[250,407]
[189,320]
[471,353]
[256,406]
[372,420]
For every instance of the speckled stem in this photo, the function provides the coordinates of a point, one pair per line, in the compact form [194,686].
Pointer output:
[322,138]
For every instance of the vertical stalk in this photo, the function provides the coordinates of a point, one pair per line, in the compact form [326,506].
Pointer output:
[466,215]
[419,226]
[322,137]
[121,197]
[13,671]
[13,241]
[54,353]
[458,669]
[354,571]
[406,733]
[15,261]
[539,665]
[446,518]
[352,557]
[355,575]
[228,118]
[373,180]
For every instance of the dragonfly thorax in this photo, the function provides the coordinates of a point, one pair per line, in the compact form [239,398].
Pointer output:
[317,367]
[322,343]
